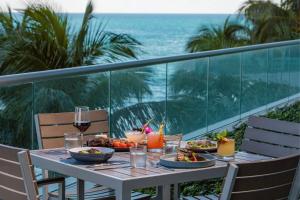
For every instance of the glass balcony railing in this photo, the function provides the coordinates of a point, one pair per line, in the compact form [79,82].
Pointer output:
[193,94]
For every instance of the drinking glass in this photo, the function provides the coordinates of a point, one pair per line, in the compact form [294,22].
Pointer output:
[155,142]
[72,140]
[172,143]
[135,136]
[226,149]
[138,156]
[82,119]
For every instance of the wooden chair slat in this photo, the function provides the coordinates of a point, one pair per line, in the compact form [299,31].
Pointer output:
[268,167]
[10,167]
[59,131]
[273,137]
[9,153]
[8,194]
[264,181]
[12,182]
[53,143]
[270,193]
[68,117]
[274,125]
[28,175]
[267,149]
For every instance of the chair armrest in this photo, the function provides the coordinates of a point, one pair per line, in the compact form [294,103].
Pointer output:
[60,181]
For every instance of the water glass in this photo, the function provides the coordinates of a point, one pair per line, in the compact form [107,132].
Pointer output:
[172,143]
[72,140]
[138,156]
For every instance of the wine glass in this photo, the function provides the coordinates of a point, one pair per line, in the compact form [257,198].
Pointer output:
[82,119]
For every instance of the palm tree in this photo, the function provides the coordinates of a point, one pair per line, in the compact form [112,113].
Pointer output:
[44,40]
[269,22]
[263,21]
[230,34]
[41,39]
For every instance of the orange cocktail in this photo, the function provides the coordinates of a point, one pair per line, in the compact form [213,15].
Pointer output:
[226,147]
[155,140]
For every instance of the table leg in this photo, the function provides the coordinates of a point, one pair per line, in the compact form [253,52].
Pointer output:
[164,192]
[176,192]
[45,188]
[123,194]
[80,189]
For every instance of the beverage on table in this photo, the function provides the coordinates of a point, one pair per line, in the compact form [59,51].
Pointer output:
[82,119]
[172,143]
[155,140]
[135,136]
[226,146]
[72,140]
[138,156]
[82,126]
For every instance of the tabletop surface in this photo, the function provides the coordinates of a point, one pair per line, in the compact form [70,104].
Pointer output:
[118,167]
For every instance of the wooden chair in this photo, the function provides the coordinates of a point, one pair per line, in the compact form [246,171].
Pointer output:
[267,180]
[50,129]
[270,137]
[17,179]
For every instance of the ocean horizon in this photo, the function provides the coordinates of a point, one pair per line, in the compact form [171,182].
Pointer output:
[160,34]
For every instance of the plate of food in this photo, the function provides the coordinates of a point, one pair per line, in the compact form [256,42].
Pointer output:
[200,146]
[185,158]
[119,145]
[91,154]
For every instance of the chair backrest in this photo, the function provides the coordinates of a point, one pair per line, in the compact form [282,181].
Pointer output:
[270,137]
[13,184]
[272,179]
[51,127]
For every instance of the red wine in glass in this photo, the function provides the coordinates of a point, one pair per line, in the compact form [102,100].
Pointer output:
[82,126]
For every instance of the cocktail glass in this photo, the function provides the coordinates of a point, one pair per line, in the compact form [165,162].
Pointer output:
[155,142]
[226,149]
[135,136]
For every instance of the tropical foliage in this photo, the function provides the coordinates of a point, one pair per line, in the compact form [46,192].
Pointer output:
[40,38]
[217,37]
[259,21]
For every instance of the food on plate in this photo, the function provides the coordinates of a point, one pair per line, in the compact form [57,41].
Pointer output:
[90,151]
[100,142]
[185,155]
[109,142]
[201,144]
[122,143]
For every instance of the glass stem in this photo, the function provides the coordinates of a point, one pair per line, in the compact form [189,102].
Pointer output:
[81,138]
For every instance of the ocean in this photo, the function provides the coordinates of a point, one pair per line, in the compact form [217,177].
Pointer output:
[160,34]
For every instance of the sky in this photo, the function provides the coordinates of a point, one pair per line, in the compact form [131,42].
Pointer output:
[139,6]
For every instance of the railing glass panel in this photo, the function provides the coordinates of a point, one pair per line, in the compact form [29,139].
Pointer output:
[16,115]
[278,74]
[254,80]
[224,88]
[294,67]
[137,96]
[187,96]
